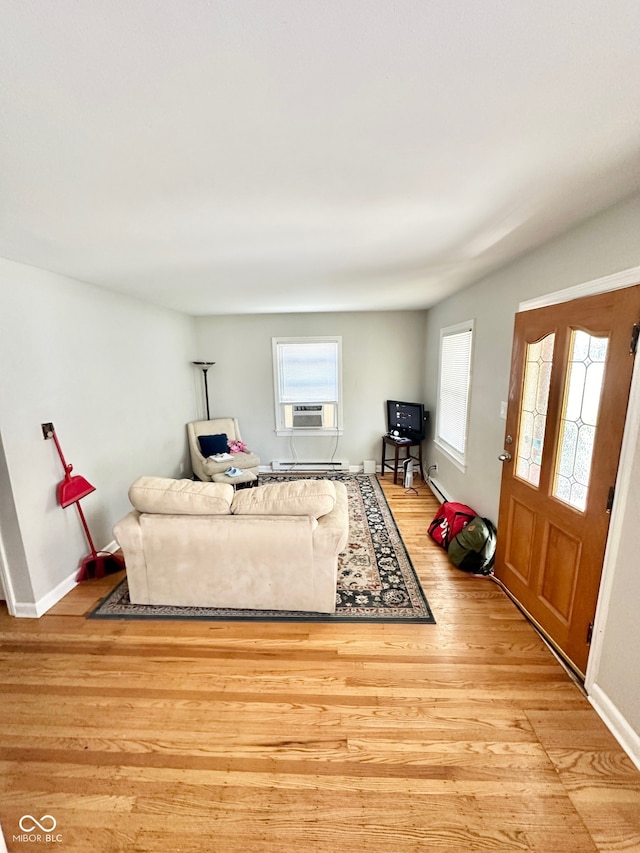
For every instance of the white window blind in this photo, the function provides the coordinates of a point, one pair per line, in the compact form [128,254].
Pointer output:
[307,371]
[455,386]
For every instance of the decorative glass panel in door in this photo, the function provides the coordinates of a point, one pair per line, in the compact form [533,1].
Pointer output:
[583,389]
[533,410]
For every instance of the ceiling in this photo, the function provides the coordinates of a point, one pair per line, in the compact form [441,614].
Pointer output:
[232,156]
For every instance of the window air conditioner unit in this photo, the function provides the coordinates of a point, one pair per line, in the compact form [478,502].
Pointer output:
[311,416]
[308,416]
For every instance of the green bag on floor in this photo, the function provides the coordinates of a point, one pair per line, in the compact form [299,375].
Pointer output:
[474,548]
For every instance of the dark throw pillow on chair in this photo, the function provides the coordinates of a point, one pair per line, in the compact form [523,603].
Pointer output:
[212,444]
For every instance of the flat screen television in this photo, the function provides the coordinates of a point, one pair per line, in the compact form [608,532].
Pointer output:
[409,420]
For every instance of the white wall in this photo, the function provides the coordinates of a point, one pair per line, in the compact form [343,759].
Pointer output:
[603,245]
[113,375]
[11,546]
[617,673]
[382,356]
[612,677]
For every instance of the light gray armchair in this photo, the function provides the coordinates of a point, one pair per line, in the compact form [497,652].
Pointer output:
[204,467]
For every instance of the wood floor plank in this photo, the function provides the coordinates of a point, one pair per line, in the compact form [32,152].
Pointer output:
[466,735]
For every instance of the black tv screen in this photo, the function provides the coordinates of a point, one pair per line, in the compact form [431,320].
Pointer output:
[409,420]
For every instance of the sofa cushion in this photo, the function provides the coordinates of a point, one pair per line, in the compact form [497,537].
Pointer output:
[164,496]
[212,444]
[299,497]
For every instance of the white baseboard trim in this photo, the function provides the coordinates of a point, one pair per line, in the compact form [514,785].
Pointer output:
[31,610]
[25,610]
[628,739]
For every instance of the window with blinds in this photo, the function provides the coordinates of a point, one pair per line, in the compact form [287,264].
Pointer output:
[307,383]
[454,388]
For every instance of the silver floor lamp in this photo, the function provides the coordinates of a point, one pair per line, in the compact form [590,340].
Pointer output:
[204,366]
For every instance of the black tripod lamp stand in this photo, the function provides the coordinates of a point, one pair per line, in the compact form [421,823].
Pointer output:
[204,366]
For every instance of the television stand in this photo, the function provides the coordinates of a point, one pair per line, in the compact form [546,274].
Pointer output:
[398,443]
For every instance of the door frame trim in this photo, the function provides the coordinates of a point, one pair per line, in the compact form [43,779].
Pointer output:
[630,438]
[615,281]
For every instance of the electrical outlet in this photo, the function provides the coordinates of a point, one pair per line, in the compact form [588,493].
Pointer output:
[432,469]
[47,430]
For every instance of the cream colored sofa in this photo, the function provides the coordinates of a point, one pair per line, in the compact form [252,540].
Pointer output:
[273,547]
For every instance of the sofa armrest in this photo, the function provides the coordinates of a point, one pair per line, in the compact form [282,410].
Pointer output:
[128,535]
[332,533]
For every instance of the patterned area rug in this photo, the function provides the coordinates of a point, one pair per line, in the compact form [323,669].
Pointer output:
[376,580]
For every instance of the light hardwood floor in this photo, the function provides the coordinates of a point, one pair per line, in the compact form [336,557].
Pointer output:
[196,736]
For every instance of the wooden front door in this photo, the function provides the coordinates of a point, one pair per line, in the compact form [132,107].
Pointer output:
[570,376]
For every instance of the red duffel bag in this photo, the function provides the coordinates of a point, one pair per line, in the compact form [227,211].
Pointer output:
[449,520]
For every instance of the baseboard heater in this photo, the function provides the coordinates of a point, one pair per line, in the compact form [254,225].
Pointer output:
[435,488]
[309,465]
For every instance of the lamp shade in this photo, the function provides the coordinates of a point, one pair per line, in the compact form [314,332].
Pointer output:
[204,366]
